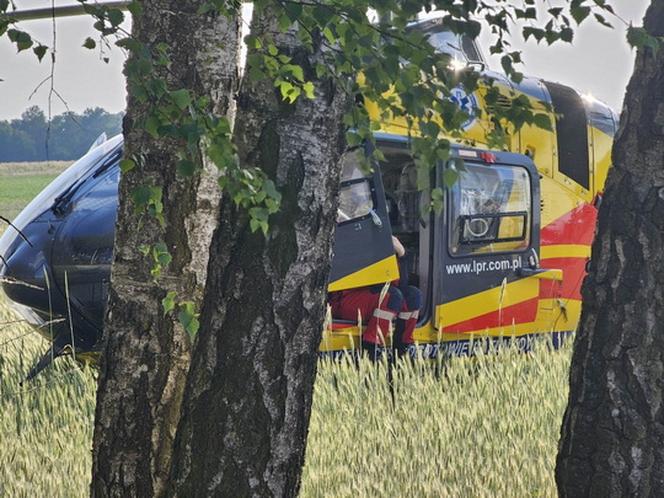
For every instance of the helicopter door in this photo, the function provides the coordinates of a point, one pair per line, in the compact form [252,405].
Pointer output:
[487,247]
[363,251]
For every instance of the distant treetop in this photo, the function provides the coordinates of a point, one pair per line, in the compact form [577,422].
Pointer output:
[69,136]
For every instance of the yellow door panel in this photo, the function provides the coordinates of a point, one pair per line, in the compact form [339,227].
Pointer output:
[385,270]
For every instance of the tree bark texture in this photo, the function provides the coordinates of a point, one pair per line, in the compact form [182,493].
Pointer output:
[248,398]
[145,353]
[612,437]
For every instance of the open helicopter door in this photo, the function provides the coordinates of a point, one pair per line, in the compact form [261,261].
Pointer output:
[363,251]
[487,275]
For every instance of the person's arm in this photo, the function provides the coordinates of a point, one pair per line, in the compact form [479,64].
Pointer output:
[400,250]
[398,247]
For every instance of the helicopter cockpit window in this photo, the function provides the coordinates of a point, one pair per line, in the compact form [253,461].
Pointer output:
[355,197]
[490,210]
[470,49]
[447,42]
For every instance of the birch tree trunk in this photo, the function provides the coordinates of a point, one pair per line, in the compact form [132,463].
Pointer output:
[612,437]
[248,398]
[146,354]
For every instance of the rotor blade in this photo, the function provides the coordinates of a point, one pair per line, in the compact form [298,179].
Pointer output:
[61,11]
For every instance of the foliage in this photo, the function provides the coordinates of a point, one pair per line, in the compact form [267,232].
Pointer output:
[487,427]
[404,74]
[68,136]
[638,37]
[385,62]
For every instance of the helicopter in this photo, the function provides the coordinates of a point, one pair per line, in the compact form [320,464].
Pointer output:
[513,269]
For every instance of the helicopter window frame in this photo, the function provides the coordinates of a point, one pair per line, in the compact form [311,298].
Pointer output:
[458,246]
[472,51]
[352,184]
[464,45]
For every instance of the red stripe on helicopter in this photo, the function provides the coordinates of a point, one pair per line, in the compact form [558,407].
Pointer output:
[574,270]
[575,227]
[523,312]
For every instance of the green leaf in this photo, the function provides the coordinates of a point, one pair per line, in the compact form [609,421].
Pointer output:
[164,258]
[638,37]
[567,34]
[259,213]
[129,44]
[536,33]
[135,8]
[181,98]
[168,303]
[161,255]
[579,12]
[40,51]
[141,196]
[115,17]
[450,176]
[288,91]
[297,72]
[22,39]
[152,126]
[542,121]
[294,10]
[204,8]
[89,43]
[253,42]
[271,189]
[188,318]
[329,36]
[127,165]
[602,20]
[284,22]
[308,89]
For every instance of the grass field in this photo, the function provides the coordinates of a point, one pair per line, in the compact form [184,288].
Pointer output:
[20,182]
[484,427]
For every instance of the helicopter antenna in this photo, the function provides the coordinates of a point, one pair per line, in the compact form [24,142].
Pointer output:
[61,11]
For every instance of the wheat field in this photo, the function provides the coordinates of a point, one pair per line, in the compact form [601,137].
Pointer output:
[481,427]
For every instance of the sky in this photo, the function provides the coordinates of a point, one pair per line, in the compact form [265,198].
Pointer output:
[599,62]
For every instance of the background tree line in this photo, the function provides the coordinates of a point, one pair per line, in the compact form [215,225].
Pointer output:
[70,135]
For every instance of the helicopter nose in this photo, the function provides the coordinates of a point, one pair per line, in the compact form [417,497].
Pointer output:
[23,273]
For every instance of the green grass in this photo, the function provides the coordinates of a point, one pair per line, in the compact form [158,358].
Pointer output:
[485,427]
[20,182]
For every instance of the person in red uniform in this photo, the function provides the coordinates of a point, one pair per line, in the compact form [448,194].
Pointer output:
[377,309]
